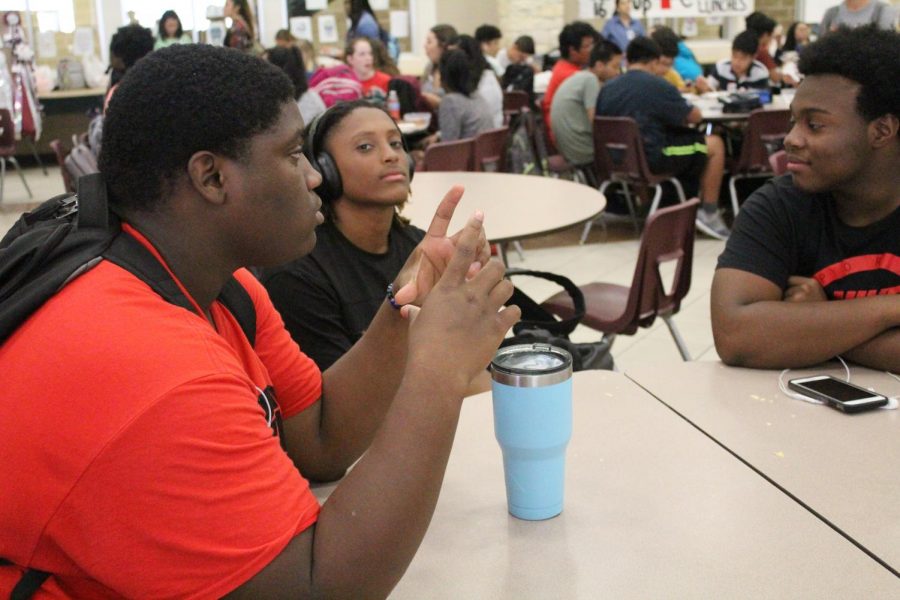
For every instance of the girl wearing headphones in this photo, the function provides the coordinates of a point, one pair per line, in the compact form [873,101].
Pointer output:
[328,298]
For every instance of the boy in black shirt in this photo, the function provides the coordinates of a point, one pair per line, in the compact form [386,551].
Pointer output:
[831,230]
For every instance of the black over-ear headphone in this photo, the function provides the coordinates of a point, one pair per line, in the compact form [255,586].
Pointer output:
[332,187]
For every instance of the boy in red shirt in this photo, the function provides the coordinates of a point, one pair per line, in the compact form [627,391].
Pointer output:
[149,450]
[576,40]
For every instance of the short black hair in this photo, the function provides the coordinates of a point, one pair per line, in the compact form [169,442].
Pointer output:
[603,52]
[456,75]
[169,14]
[667,40]
[487,33]
[642,50]
[867,55]
[760,23]
[525,44]
[178,101]
[571,35]
[746,42]
[131,43]
[290,60]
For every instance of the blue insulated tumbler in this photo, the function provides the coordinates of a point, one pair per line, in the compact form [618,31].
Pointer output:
[532,395]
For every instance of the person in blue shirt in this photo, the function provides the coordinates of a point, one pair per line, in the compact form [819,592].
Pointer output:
[362,19]
[621,28]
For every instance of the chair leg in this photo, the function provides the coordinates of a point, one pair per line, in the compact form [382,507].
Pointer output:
[732,188]
[37,156]
[631,209]
[15,163]
[504,257]
[599,219]
[676,335]
[519,250]
[657,196]
[678,189]
[2,176]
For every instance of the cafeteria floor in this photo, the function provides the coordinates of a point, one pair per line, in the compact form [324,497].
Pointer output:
[608,258]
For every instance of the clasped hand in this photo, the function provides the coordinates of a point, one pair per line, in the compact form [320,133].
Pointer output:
[428,261]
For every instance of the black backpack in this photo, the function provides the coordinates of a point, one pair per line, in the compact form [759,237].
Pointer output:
[68,235]
[63,238]
[539,326]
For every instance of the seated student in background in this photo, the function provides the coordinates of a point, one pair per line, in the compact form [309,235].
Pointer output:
[520,52]
[668,46]
[576,40]
[189,481]
[329,297]
[488,37]
[290,60]
[663,117]
[574,103]
[361,59]
[170,31]
[812,268]
[485,80]
[741,71]
[463,113]
[796,39]
[284,38]
[621,29]
[764,28]
[686,63]
[436,41]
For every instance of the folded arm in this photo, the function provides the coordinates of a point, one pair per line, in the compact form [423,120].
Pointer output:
[756,324]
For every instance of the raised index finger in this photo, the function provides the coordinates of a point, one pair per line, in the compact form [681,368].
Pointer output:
[444,213]
[466,249]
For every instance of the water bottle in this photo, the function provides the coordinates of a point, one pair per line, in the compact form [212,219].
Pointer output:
[393,105]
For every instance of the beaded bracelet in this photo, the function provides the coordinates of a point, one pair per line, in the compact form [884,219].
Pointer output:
[390,297]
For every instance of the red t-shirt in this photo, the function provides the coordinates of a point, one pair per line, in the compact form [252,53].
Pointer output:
[378,80]
[562,70]
[136,459]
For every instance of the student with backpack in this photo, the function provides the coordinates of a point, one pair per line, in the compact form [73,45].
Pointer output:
[154,449]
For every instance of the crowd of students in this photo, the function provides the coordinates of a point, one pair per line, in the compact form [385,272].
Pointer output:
[155,450]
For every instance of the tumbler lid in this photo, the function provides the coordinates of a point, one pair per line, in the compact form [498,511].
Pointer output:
[531,365]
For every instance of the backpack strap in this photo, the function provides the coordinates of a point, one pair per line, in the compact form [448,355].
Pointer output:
[132,256]
[29,583]
[876,14]
[93,208]
[533,315]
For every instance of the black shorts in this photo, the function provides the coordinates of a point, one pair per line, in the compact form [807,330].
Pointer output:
[684,156]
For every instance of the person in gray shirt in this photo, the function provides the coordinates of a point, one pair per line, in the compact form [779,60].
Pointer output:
[572,109]
[854,13]
[463,112]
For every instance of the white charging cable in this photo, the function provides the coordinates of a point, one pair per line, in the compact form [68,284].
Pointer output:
[892,402]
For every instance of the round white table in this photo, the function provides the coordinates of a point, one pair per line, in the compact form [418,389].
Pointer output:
[515,206]
[711,108]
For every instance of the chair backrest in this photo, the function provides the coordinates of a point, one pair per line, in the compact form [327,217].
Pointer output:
[61,154]
[765,131]
[778,162]
[668,236]
[490,150]
[619,149]
[8,135]
[515,100]
[458,155]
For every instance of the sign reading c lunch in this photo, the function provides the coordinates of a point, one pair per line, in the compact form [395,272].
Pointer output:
[604,9]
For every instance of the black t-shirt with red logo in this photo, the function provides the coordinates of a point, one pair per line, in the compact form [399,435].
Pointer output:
[782,231]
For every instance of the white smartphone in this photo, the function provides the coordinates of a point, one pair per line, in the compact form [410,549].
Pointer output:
[838,394]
